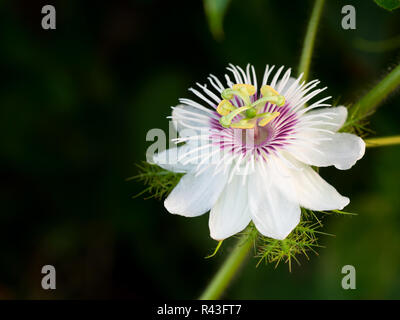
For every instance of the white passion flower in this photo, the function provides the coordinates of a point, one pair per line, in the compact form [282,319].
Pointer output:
[248,153]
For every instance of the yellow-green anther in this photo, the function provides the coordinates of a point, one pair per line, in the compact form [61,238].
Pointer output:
[226,121]
[224,107]
[278,100]
[268,91]
[244,124]
[249,89]
[250,110]
[229,93]
[268,117]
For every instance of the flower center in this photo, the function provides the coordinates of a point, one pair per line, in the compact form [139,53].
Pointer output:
[249,115]
[258,136]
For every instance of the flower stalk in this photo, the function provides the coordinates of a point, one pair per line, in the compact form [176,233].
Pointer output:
[230,267]
[381,142]
[309,40]
[367,104]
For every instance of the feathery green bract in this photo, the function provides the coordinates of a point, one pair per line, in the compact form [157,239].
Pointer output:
[159,182]
[300,241]
[356,123]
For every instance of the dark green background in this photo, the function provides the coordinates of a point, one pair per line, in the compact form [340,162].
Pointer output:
[76,104]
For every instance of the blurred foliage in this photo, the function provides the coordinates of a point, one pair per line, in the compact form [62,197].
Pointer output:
[378,46]
[215,11]
[77,102]
[388,4]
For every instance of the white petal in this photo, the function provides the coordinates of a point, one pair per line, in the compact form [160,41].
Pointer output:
[342,151]
[230,214]
[195,195]
[189,120]
[170,159]
[327,118]
[315,193]
[285,86]
[273,212]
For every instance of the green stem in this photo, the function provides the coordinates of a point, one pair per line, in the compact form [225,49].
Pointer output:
[380,142]
[309,40]
[367,103]
[230,267]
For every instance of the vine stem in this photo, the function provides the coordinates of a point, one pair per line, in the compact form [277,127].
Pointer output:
[367,103]
[381,142]
[309,40]
[230,267]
